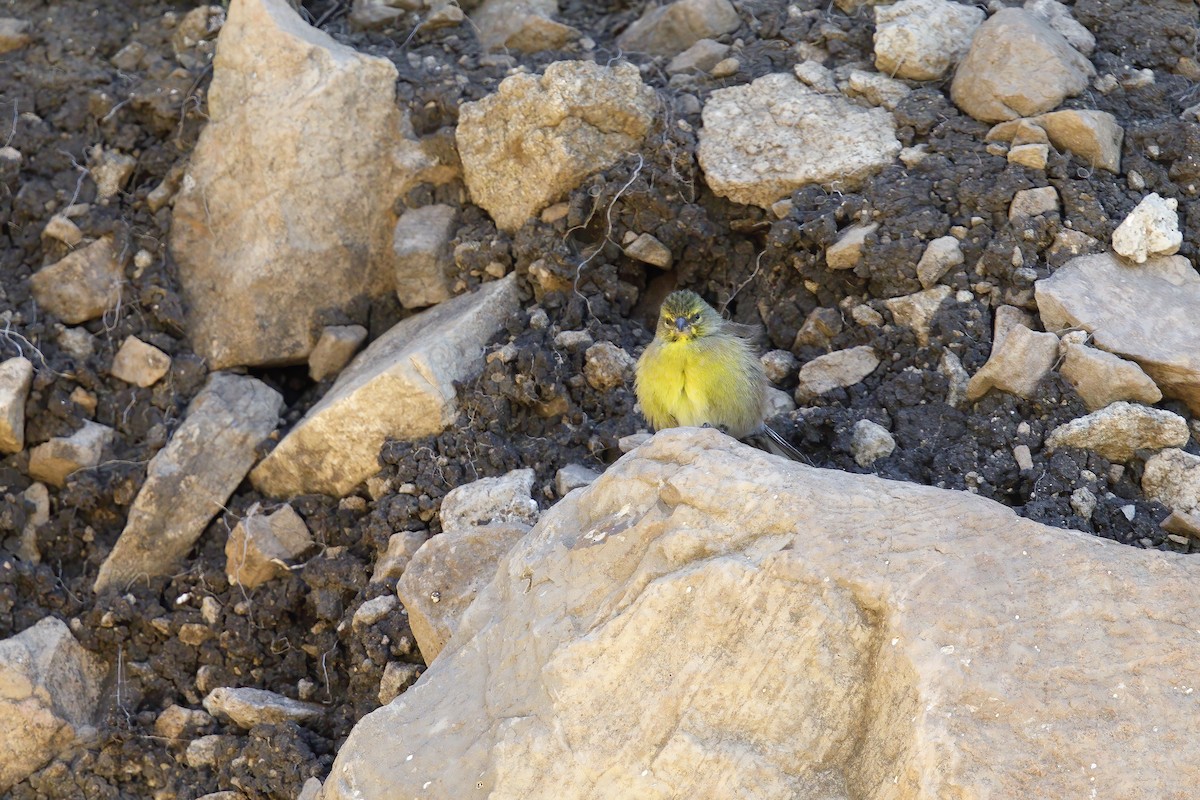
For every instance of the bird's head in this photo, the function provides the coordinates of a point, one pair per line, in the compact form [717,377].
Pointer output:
[685,316]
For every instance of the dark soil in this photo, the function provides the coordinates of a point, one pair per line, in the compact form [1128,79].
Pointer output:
[64,94]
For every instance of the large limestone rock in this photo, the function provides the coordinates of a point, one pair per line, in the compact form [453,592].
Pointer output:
[402,386]
[49,691]
[1145,313]
[922,39]
[1121,429]
[538,136]
[16,376]
[766,139]
[285,212]
[708,621]
[83,285]
[189,480]
[1018,66]
[670,28]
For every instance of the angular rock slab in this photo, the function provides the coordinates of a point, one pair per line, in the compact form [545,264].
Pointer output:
[708,621]
[189,480]
[285,212]
[1145,313]
[402,386]
[49,690]
[766,139]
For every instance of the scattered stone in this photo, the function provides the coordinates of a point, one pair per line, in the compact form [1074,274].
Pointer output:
[55,460]
[491,500]
[50,690]
[1059,17]
[700,57]
[78,343]
[846,252]
[1118,430]
[940,256]
[260,545]
[573,340]
[368,15]
[660,573]
[268,247]
[249,707]
[647,249]
[870,442]
[421,241]
[764,140]
[1143,313]
[1068,243]
[61,229]
[1017,66]
[916,311]
[333,351]
[835,370]
[397,676]
[400,550]
[819,328]
[14,34]
[177,723]
[1094,136]
[538,136]
[672,28]
[83,285]
[1182,523]
[573,476]
[779,365]
[1017,364]
[1033,202]
[311,790]
[607,366]
[446,574]
[189,480]
[876,89]
[16,376]
[139,363]
[1172,478]
[1151,229]
[922,39]
[202,752]
[111,170]
[1023,457]
[777,402]
[373,611]
[957,379]
[37,499]
[725,68]
[1034,156]
[816,76]
[523,26]
[1005,319]
[165,192]
[1101,378]
[401,386]
[1083,502]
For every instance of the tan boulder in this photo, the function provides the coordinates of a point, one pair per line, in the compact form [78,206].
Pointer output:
[1119,430]
[1172,477]
[670,28]
[1017,363]
[139,363]
[1101,378]
[708,621]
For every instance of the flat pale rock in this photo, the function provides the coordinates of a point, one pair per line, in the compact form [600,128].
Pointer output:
[401,386]
[538,136]
[249,707]
[708,621]
[1033,202]
[1018,66]
[1172,477]
[50,688]
[1119,430]
[940,256]
[81,286]
[421,242]
[700,57]
[285,213]
[916,311]
[524,26]
[1101,378]
[446,574]
[1017,363]
[400,550]
[189,480]
[846,252]
[1151,229]
[922,39]
[335,348]
[55,460]
[16,376]
[139,363]
[1094,136]
[870,442]
[260,545]
[1145,313]
[835,370]
[763,140]
[489,500]
[671,28]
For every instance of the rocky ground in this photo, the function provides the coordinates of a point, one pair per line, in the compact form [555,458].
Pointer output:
[879,290]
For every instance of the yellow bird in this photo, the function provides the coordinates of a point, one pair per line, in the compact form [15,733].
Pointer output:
[700,370]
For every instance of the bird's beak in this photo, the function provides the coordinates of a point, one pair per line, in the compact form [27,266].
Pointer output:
[681,324]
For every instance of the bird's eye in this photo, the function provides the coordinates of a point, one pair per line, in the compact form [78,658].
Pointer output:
[695,317]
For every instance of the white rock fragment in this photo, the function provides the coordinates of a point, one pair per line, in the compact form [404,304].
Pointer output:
[763,140]
[373,611]
[111,169]
[246,707]
[922,39]
[1151,229]
[16,377]
[139,363]
[876,89]
[940,256]
[870,442]
[1118,430]
[607,366]
[835,370]
[505,499]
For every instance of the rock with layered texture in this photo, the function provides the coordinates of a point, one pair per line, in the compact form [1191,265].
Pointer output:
[712,622]
[189,480]
[285,214]
[538,136]
[764,140]
[50,689]
[1142,312]
[1018,66]
[1119,430]
[401,386]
